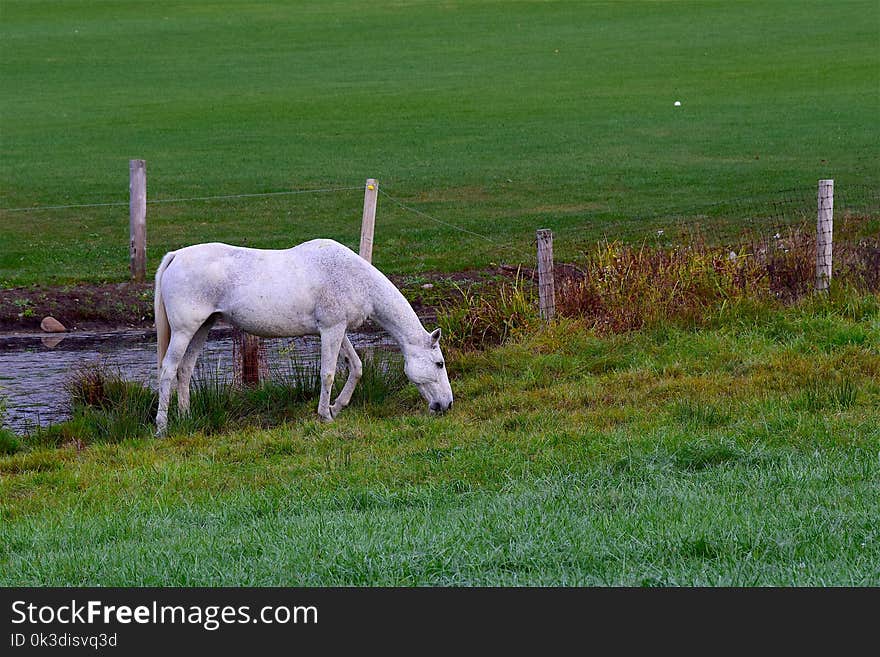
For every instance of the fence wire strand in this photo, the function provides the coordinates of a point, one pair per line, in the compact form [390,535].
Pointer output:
[400,203]
[222,197]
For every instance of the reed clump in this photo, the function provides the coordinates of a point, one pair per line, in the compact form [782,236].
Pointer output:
[479,320]
[620,287]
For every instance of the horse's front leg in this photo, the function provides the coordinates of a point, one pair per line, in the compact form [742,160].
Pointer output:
[331,340]
[355,370]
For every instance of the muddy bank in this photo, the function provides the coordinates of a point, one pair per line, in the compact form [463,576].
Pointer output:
[79,307]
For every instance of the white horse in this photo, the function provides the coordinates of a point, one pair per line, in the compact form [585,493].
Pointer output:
[318,287]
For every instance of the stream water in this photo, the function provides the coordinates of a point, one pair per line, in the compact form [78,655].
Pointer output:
[34,368]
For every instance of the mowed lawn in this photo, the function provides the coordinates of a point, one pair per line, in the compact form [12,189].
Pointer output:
[740,454]
[497,117]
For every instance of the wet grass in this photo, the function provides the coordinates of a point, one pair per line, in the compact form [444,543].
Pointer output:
[654,523]
[9,442]
[741,453]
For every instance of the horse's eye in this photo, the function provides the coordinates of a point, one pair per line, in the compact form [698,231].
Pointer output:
[439,365]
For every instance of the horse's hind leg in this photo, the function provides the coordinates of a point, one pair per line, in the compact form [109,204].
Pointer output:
[331,340]
[355,370]
[188,364]
[176,350]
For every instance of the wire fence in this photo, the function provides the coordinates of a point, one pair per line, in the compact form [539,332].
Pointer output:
[792,234]
[783,248]
[776,209]
[767,211]
[782,228]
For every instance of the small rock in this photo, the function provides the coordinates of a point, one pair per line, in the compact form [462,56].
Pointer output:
[427,286]
[52,325]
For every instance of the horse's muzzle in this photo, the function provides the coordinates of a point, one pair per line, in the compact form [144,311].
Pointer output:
[438,407]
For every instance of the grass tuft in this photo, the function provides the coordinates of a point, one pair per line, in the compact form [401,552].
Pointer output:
[701,455]
[819,396]
[698,415]
[478,321]
[9,442]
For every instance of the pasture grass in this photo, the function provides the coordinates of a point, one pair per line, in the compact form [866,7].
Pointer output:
[740,453]
[497,117]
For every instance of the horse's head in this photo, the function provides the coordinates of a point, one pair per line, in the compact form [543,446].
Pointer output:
[426,368]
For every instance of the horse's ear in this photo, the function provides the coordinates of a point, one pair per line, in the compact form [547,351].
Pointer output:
[435,337]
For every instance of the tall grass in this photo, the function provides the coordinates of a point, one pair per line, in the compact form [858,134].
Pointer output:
[621,287]
[477,321]
[9,442]
[618,287]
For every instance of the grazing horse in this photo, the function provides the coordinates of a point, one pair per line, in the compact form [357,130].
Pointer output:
[318,287]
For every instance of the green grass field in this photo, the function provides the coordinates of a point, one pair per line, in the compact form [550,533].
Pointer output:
[741,454]
[499,117]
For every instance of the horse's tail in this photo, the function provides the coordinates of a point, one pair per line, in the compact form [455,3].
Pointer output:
[163,328]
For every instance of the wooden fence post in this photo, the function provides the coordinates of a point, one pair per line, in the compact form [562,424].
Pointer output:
[824,234]
[546,283]
[249,359]
[137,207]
[368,224]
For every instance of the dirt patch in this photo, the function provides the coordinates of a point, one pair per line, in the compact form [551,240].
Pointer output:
[108,306]
[78,307]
